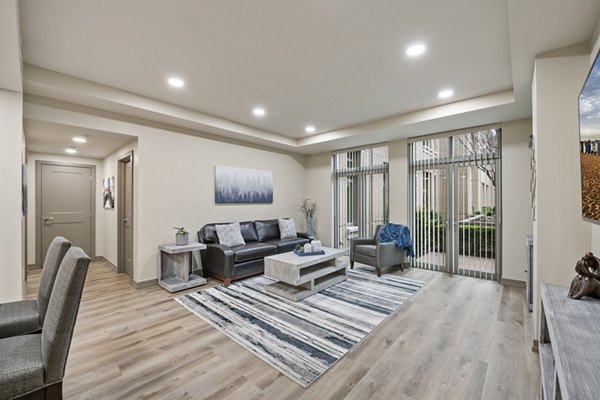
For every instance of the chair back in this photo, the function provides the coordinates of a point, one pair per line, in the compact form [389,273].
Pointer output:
[376,235]
[56,252]
[57,331]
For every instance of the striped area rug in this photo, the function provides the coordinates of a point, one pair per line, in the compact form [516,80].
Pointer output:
[303,339]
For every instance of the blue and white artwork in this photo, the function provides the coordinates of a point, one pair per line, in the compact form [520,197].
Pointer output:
[240,185]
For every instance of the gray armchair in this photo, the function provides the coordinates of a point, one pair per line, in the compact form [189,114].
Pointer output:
[33,366]
[27,316]
[379,255]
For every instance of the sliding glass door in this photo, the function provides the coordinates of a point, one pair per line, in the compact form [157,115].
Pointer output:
[455,208]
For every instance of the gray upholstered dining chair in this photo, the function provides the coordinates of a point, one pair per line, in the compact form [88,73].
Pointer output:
[379,255]
[33,366]
[27,316]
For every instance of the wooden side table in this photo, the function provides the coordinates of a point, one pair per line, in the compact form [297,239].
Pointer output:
[175,267]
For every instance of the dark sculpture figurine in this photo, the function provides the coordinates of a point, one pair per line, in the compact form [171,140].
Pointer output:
[587,282]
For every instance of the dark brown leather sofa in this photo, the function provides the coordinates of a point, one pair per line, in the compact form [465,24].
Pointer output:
[262,239]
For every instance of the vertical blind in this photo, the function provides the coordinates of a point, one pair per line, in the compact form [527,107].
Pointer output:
[360,193]
[454,206]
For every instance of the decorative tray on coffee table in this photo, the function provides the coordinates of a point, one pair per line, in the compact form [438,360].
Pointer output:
[312,253]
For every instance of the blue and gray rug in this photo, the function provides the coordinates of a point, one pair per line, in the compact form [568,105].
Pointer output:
[303,339]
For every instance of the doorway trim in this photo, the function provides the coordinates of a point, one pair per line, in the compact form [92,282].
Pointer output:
[38,206]
[121,161]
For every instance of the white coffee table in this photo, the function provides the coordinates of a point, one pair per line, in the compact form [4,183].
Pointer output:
[299,277]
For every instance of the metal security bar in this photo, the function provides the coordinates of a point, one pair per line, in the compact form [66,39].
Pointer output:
[360,193]
[454,203]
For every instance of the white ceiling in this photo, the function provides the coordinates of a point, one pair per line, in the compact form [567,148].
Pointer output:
[338,65]
[46,137]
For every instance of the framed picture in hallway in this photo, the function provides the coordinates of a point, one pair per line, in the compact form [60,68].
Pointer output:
[108,194]
[240,185]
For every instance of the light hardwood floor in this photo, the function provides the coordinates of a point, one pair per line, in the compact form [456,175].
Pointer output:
[459,338]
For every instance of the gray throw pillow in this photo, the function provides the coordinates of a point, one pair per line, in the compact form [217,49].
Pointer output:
[230,234]
[287,228]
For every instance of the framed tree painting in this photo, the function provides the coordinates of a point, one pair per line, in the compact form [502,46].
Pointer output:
[240,185]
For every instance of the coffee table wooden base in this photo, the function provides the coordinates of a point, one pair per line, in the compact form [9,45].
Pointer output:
[300,277]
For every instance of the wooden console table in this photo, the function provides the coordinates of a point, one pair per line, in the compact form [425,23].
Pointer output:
[569,345]
[175,267]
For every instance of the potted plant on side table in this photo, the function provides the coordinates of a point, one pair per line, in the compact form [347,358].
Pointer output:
[181,236]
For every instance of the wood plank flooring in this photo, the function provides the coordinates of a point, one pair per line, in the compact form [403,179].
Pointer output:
[458,338]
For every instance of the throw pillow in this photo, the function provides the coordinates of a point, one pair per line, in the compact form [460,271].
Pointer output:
[230,234]
[267,230]
[287,228]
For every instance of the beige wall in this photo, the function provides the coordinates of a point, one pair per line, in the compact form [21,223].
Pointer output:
[176,188]
[561,236]
[175,181]
[32,218]
[516,204]
[398,157]
[109,216]
[319,188]
[11,157]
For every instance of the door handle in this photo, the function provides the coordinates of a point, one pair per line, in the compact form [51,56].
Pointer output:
[125,220]
[46,219]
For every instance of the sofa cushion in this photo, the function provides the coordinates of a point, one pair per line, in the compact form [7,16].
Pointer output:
[287,228]
[285,245]
[208,234]
[248,231]
[267,230]
[366,249]
[230,234]
[253,251]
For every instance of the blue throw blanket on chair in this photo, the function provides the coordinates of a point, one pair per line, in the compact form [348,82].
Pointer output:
[399,234]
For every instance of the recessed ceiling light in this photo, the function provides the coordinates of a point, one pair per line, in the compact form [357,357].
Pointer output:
[71,150]
[446,93]
[259,111]
[79,139]
[415,50]
[176,82]
[309,129]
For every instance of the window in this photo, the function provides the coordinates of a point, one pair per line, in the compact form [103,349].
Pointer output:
[360,193]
